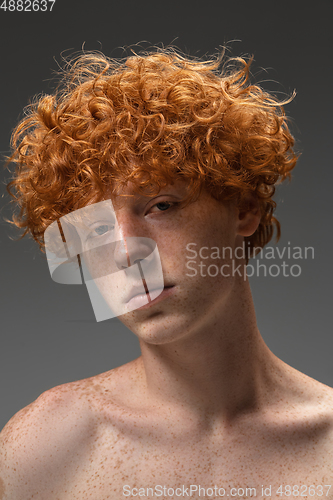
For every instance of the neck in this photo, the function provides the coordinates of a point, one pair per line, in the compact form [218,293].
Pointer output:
[222,368]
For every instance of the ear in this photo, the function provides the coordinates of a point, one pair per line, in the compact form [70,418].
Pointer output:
[249,216]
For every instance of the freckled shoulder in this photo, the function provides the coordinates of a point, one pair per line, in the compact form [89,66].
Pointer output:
[43,438]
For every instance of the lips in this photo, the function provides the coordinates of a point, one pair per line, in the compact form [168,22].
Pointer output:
[137,290]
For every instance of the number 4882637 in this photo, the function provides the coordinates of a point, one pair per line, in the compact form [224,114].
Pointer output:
[27,5]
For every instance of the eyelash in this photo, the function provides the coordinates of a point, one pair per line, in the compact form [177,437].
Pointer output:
[170,203]
[93,232]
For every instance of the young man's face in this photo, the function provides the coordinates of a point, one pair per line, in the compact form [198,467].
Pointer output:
[163,266]
[189,297]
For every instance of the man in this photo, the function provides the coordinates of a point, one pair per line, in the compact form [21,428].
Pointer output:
[179,156]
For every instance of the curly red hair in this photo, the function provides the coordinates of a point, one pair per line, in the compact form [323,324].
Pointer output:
[149,119]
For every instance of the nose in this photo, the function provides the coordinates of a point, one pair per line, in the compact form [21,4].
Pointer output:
[132,250]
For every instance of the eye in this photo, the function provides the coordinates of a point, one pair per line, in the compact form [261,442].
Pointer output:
[101,230]
[163,206]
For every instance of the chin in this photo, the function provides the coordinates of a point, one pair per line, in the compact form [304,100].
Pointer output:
[157,328]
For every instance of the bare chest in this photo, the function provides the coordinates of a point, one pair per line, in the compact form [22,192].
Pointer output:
[128,468]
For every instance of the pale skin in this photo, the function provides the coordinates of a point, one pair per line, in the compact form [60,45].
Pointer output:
[207,403]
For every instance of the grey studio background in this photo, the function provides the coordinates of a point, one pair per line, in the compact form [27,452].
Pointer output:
[48,332]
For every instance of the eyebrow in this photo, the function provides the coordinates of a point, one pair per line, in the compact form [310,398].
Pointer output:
[89,217]
[85,216]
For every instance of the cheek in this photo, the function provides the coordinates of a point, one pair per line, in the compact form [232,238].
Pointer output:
[198,256]
[172,248]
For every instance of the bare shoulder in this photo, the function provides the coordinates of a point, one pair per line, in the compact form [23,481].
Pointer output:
[306,413]
[322,404]
[318,398]
[33,442]
[51,435]
[314,427]
[59,404]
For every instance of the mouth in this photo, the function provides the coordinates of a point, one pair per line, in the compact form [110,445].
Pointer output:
[144,300]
